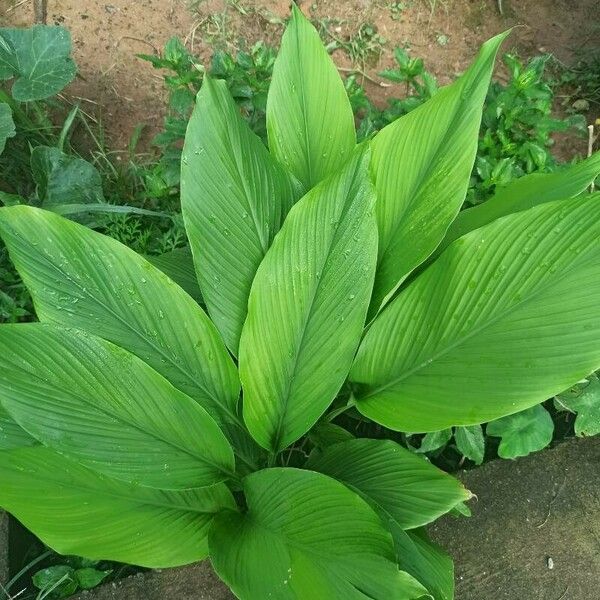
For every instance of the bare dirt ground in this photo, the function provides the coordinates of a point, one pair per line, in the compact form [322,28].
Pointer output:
[125,91]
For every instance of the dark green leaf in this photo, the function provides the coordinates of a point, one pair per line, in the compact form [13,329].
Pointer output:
[64,179]
[39,58]
[470,442]
[7,125]
[585,401]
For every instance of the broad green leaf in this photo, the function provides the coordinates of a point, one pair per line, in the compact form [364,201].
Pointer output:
[13,435]
[425,561]
[310,123]
[306,536]
[499,323]
[178,264]
[398,484]
[523,193]
[523,432]
[83,279]
[104,407]
[234,198]
[470,442]
[7,125]
[585,401]
[422,164]
[64,179]
[435,440]
[307,307]
[39,58]
[77,511]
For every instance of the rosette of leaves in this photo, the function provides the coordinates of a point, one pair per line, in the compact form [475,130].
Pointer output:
[137,427]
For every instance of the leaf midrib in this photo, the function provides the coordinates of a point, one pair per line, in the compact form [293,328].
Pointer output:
[302,334]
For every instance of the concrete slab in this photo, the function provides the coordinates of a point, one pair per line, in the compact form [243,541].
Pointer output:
[535,530]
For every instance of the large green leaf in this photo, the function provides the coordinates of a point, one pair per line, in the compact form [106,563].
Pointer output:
[310,123]
[499,323]
[78,511]
[107,409]
[64,179]
[178,264]
[39,58]
[7,125]
[425,561]
[523,193]
[307,307]
[13,435]
[584,399]
[306,536]
[422,164]
[522,433]
[83,279]
[234,197]
[400,485]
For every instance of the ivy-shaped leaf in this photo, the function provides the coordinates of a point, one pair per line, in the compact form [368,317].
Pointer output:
[523,433]
[585,401]
[39,60]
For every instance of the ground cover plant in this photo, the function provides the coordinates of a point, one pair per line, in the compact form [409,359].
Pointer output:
[341,283]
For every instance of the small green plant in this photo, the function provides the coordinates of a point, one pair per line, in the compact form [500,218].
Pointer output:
[248,75]
[170,437]
[62,581]
[517,128]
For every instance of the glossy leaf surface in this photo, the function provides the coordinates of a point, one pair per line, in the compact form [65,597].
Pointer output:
[309,118]
[80,278]
[307,307]
[77,511]
[422,165]
[306,536]
[234,197]
[104,407]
